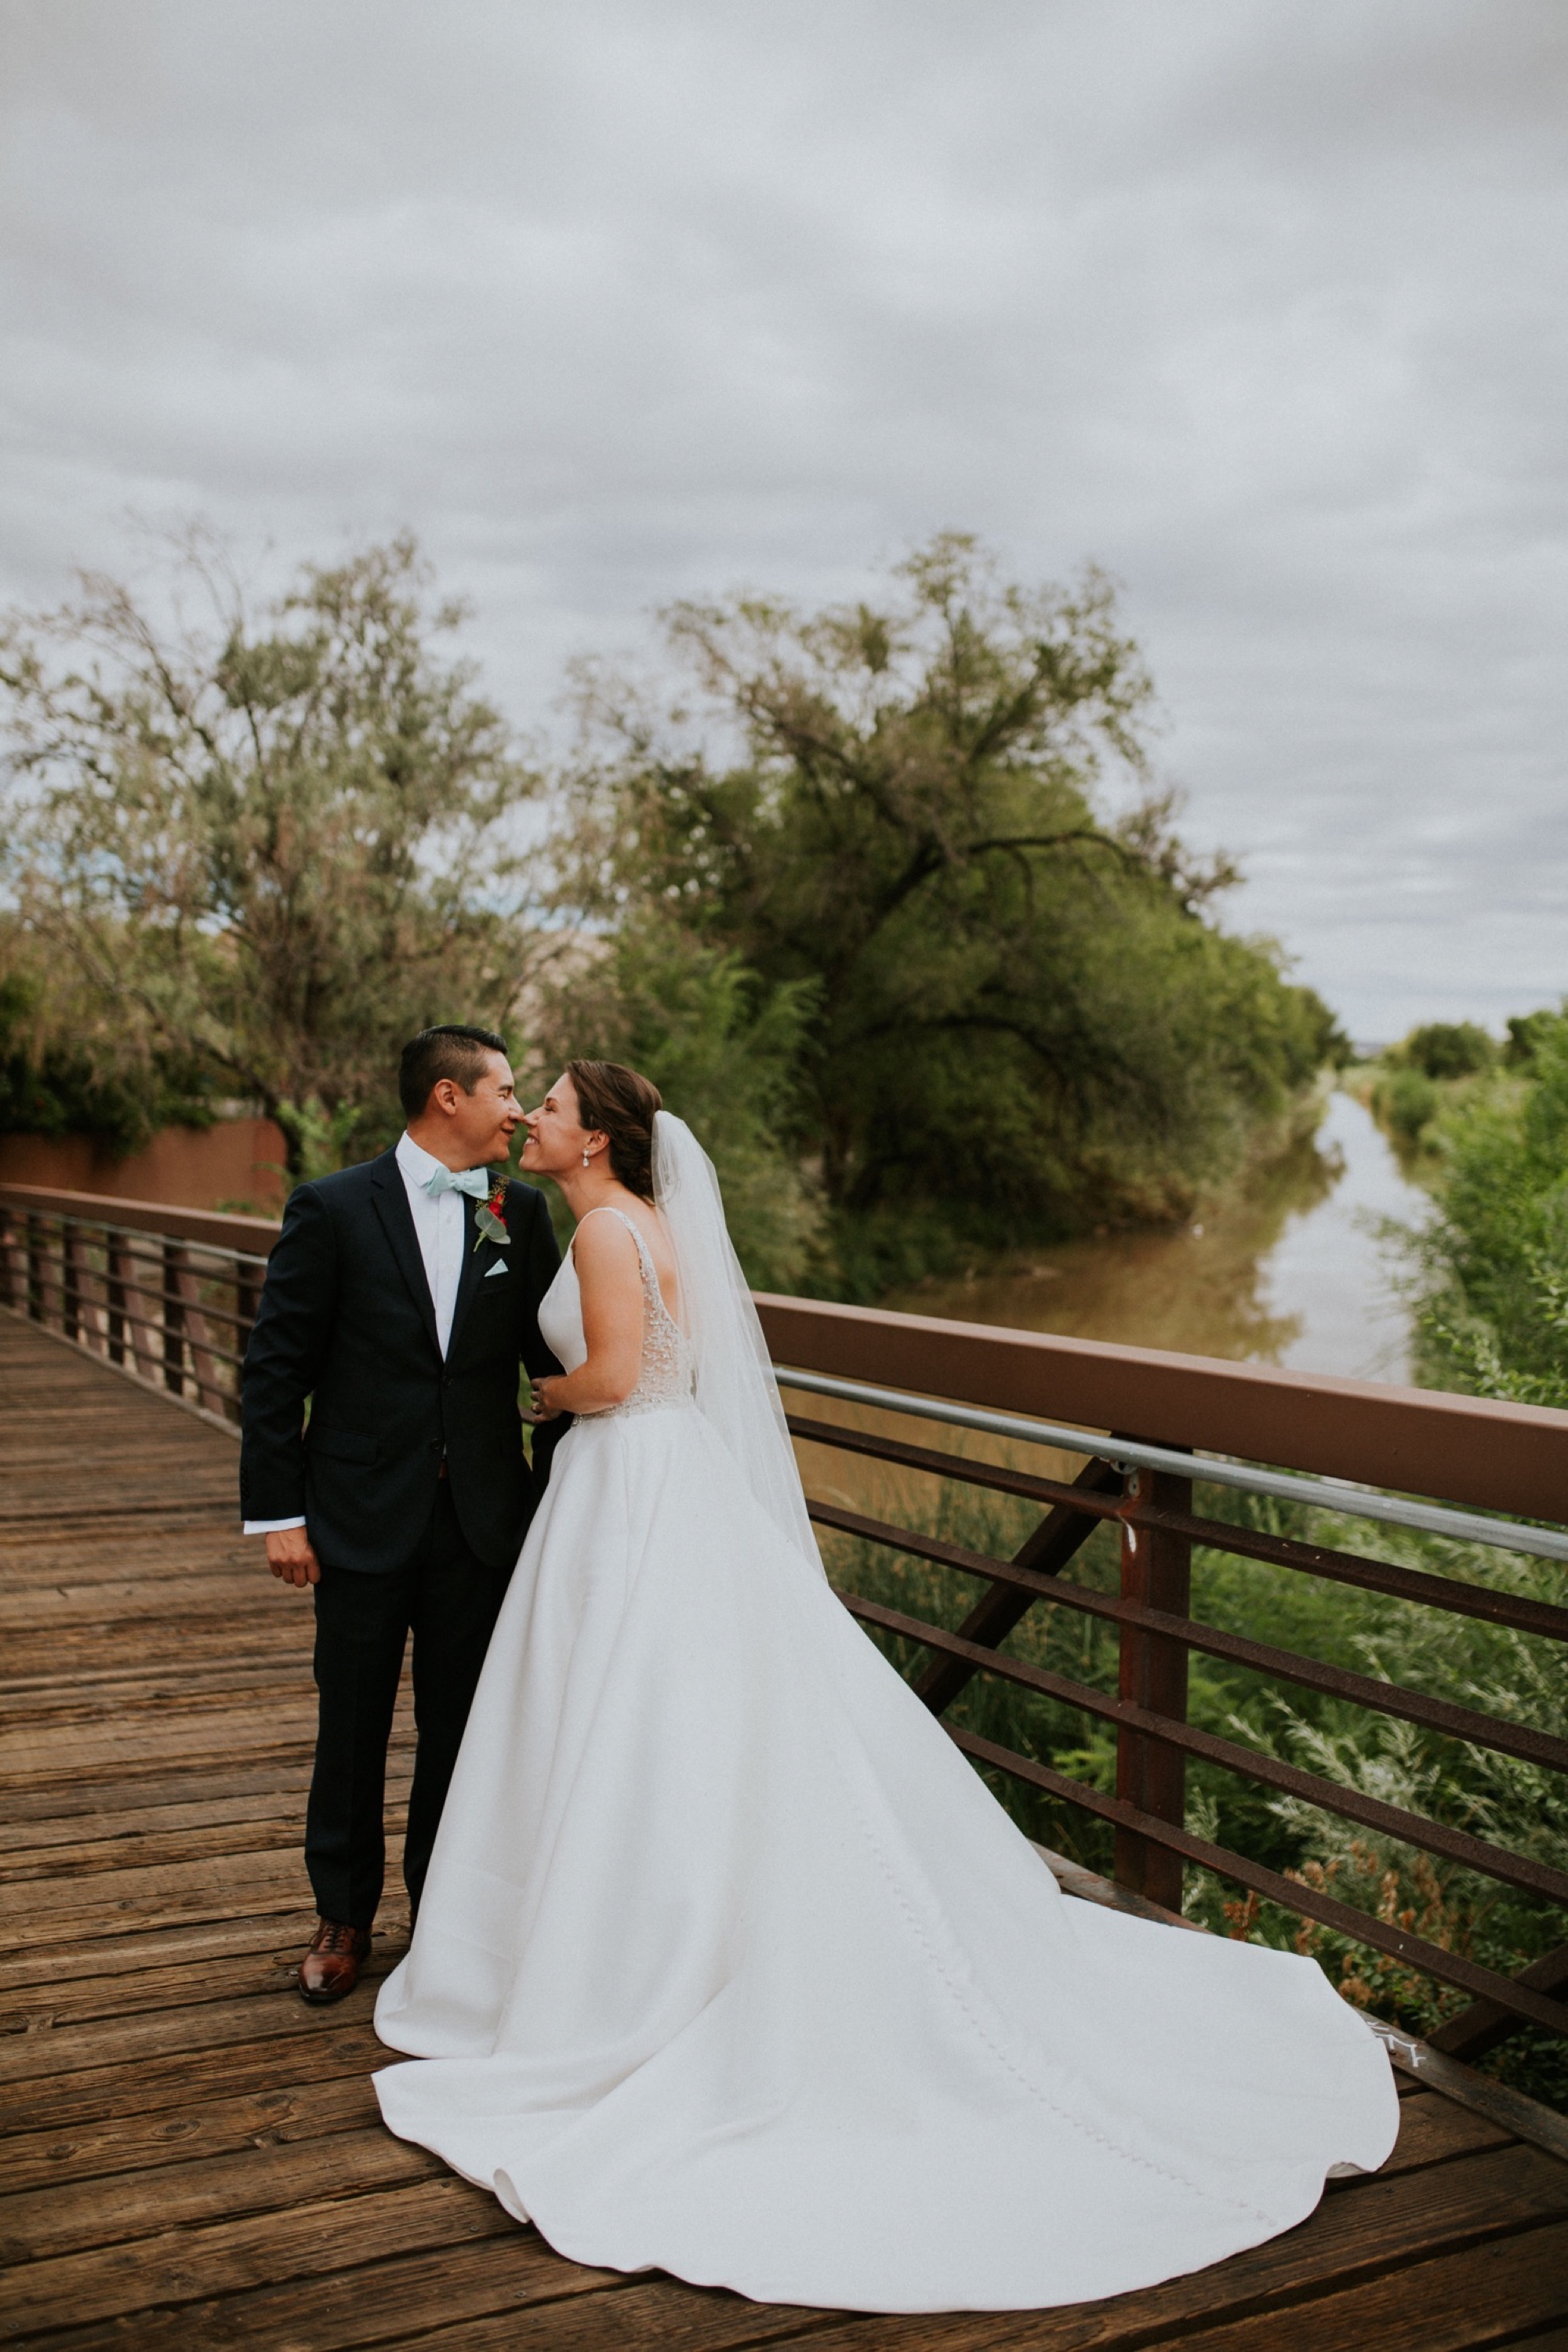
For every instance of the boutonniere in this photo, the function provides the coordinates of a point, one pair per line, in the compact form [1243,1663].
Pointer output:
[491,1226]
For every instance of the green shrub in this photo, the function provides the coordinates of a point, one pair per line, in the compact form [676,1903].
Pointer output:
[1492,1268]
[1406,1101]
[1448,1049]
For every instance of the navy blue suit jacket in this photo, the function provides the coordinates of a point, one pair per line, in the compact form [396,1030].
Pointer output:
[346,1320]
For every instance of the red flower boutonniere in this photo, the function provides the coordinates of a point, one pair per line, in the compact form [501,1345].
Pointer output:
[490,1224]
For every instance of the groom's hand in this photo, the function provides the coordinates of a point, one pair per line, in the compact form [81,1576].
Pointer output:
[291,1555]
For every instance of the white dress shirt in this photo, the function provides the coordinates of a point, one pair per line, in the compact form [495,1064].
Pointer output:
[439,1226]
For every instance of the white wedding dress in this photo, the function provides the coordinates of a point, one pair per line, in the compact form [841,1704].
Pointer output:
[729,1964]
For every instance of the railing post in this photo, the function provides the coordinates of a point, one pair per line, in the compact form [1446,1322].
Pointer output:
[119,1263]
[35,1268]
[71,1280]
[13,1262]
[172,1314]
[144,1314]
[183,1280]
[1156,1573]
[95,1312]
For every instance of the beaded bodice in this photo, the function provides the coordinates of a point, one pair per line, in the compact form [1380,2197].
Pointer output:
[664,1374]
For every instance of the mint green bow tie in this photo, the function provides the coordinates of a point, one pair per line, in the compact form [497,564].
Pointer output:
[474,1182]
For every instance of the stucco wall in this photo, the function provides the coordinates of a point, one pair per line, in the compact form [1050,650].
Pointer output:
[237,1165]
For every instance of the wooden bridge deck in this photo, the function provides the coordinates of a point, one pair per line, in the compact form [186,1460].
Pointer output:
[190,2157]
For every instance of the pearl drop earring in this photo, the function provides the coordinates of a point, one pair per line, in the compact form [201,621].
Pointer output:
[584,1160]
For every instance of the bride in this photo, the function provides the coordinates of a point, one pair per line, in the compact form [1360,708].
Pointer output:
[728,1963]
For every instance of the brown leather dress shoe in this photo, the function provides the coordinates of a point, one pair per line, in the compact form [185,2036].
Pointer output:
[331,1966]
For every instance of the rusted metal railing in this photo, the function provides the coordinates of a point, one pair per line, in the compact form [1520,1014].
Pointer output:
[168,1296]
[1420,1458]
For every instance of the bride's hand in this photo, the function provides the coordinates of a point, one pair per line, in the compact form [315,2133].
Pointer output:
[543,1408]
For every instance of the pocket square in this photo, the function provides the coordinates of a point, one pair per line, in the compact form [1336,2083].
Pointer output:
[499,1266]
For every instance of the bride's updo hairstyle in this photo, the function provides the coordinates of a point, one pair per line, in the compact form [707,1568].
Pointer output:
[619,1103]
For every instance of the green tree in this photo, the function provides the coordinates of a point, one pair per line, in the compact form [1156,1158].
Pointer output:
[725,1053]
[1525,1030]
[1023,1007]
[54,1086]
[267,850]
[1447,1049]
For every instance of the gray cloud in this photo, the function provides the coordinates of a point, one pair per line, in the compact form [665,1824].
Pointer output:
[1263,307]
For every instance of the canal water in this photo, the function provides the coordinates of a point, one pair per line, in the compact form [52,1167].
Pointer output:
[1288,1269]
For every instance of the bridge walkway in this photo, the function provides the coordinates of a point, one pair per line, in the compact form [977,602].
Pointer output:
[190,2157]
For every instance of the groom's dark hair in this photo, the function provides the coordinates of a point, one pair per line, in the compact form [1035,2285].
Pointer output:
[452,1051]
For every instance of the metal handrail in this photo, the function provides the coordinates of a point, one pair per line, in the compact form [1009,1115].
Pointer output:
[1318,1493]
[153,1241]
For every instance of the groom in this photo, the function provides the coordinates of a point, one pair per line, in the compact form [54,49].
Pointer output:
[401,1300]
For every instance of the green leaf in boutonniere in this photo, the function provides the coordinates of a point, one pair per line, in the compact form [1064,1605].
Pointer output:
[491,1227]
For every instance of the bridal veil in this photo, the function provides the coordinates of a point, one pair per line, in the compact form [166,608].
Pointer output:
[735,1384]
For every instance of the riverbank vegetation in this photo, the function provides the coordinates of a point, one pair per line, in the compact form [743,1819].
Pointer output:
[886,897]
[1488,1281]
[1487,1274]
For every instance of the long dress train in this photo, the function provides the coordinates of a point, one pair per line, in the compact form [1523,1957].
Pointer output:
[729,1965]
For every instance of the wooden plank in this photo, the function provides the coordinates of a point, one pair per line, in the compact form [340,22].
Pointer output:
[198,1890]
[35,1848]
[102,1959]
[364,2305]
[35,2224]
[645,2315]
[1431,2131]
[60,1801]
[229,1840]
[125,2041]
[263,1974]
[304,2241]
[1456,2304]
[60,2102]
[214,2126]
[173,1737]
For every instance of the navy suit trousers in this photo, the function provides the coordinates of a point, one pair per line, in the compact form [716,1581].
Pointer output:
[447,1597]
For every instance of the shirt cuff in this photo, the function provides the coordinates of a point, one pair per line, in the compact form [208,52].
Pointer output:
[269,1526]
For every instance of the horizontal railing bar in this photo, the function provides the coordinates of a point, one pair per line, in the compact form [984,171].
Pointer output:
[21,1217]
[152,1330]
[1316,1493]
[1453,1594]
[134,1290]
[1291,1894]
[1415,1584]
[1439,1715]
[1247,1763]
[995,1476]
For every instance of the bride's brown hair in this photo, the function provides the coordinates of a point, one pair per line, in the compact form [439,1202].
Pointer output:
[620,1103]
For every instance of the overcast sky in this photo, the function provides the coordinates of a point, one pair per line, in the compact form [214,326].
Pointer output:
[1259,303]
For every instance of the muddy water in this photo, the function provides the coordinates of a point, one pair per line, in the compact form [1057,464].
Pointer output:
[1288,1270]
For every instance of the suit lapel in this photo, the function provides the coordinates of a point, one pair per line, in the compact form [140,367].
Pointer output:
[472,1271]
[397,1224]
